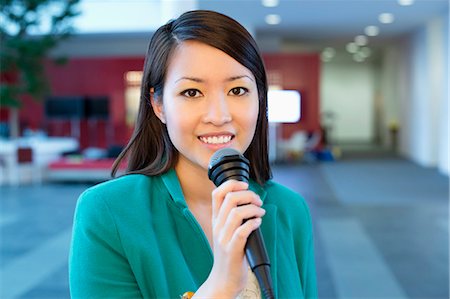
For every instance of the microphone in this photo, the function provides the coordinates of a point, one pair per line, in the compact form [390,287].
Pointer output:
[227,164]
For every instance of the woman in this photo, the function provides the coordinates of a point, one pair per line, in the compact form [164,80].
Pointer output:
[164,228]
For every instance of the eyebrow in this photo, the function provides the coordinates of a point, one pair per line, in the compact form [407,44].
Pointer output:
[198,80]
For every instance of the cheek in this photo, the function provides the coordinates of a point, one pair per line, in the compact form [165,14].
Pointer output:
[180,123]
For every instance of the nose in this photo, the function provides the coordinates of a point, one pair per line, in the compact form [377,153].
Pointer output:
[217,110]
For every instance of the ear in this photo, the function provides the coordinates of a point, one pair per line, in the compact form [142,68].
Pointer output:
[157,105]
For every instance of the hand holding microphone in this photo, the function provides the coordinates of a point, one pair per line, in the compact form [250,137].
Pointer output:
[232,204]
[236,216]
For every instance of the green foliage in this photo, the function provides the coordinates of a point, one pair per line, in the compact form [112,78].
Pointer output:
[23,48]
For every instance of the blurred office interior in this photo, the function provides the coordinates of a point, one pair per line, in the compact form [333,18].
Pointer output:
[366,144]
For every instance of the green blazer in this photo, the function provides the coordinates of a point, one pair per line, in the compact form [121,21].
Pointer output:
[134,237]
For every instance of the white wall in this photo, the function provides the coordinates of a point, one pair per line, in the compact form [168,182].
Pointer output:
[390,80]
[444,149]
[415,90]
[412,82]
[428,95]
[347,89]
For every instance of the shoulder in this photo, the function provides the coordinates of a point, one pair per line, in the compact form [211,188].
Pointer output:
[118,204]
[117,187]
[118,193]
[290,205]
[121,184]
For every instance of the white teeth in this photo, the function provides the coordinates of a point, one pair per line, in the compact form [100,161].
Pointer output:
[216,139]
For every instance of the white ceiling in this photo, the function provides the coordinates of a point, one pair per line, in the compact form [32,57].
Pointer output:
[306,25]
[329,20]
[300,19]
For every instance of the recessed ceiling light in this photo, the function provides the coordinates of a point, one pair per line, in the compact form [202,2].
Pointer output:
[324,58]
[273,19]
[270,3]
[352,48]
[372,30]
[386,18]
[358,57]
[361,40]
[406,2]
[328,53]
[365,52]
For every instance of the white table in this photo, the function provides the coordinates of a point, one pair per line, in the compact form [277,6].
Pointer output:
[45,150]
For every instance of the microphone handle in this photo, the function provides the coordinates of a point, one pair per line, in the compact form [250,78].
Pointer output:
[257,258]
[262,274]
[255,250]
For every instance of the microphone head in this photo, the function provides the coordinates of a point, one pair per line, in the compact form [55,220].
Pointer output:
[227,164]
[222,153]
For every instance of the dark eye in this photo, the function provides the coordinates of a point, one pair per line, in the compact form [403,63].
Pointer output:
[191,93]
[238,91]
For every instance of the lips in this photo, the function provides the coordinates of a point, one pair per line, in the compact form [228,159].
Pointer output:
[216,139]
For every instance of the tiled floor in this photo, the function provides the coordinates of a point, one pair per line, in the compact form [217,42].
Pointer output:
[381,230]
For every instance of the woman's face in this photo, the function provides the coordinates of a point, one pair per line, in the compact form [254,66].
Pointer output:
[210,101]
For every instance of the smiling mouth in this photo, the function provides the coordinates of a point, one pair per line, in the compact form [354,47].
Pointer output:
[222,139]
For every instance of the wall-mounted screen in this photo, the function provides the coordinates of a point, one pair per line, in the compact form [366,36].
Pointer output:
[97,108]
[67,107]
[284,106]
[77,107]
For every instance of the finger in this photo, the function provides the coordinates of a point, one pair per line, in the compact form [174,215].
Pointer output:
[241,234]
[232,200]
[237,217]
[218,194]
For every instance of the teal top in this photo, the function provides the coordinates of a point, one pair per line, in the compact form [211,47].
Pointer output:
[134,237]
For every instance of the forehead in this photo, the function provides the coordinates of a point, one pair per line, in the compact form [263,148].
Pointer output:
[196,59]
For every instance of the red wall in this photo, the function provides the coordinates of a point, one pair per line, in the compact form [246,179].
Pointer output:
[105,77]
[299,72]
[98,77]
[87,77]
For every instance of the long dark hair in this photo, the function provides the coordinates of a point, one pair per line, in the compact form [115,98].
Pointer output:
[150,150]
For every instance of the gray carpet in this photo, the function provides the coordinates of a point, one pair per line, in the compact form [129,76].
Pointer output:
[389,181]
[381,230]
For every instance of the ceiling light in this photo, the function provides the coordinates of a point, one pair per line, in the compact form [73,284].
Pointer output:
[358,57]
[327,54]
[365,52]
[273,19]
[324,58]
[352,47]
[329,51]
[406,2]
[361,40]
[386,18]
[270,3]
[372,30]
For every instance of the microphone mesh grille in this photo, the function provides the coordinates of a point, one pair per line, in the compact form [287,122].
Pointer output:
[222,153]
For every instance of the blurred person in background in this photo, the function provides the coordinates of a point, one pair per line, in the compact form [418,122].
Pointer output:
[163,229]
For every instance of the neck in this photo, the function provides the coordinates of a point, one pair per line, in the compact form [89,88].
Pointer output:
[195,184]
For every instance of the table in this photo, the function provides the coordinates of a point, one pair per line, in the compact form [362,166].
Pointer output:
[44,151]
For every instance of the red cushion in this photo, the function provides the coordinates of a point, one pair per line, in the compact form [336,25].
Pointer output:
[85,164]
